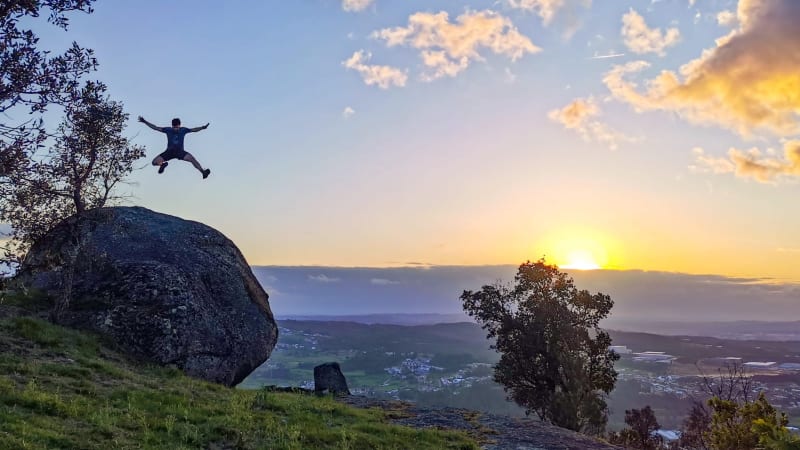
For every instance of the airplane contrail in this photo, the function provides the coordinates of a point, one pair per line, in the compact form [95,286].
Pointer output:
[613,55]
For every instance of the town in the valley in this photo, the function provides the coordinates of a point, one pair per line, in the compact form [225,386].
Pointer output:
[451,365]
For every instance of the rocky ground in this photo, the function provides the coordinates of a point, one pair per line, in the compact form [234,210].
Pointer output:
[493,432]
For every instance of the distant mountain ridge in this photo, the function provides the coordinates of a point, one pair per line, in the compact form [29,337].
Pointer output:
[745,330]
[387,319]
[748,330]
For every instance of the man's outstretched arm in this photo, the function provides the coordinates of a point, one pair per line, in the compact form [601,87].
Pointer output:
[142,119]
[196,129]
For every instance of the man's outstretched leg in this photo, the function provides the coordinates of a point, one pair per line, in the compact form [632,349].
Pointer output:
[197,165]
[161,163]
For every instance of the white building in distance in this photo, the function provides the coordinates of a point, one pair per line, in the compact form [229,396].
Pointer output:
[760,365]
[655,357]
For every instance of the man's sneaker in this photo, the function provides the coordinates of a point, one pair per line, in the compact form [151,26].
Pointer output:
[206,173]
[162,167]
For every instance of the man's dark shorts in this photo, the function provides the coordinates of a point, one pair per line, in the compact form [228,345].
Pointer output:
[173,153]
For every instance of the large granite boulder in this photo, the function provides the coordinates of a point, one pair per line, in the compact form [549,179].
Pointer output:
[168,290]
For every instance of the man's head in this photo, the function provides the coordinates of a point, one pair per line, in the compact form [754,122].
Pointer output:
[176,122]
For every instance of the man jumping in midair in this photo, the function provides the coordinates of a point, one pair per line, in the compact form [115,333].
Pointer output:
[175,149]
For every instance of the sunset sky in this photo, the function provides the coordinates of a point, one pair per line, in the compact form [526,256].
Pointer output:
[629,134]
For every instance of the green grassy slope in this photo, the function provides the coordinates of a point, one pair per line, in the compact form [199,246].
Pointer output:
[64,389]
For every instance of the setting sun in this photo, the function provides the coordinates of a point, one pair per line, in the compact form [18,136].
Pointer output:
[580,248]
[581,260]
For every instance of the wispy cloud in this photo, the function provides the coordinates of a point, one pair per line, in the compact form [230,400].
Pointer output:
[356,5]
[639,38]
[383,281]
[510,76]
[448,48]
[548,10]
[322,278]
[581,116]
[382,76]
[348,112]
[763,166]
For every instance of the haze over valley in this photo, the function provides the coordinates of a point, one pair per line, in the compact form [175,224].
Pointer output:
[660,302]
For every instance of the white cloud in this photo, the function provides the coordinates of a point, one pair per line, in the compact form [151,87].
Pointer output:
[640,38]
[382,76]
[356,5]
[322,278]
[726,18]
[762,166]
[441,64]
[750,81]
[447,48]
[348,112]
[580,115]
[383,281]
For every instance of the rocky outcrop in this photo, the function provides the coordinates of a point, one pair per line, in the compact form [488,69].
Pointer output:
[493,432]
[172,291]
[328,378]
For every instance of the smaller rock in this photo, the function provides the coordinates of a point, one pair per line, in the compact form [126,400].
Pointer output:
[328,377]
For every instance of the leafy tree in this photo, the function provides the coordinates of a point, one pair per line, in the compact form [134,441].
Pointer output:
[31,79]
[736,426]
[641,431]
[731,419]
[86,157]
[554,359]
[774,436]
[79,171]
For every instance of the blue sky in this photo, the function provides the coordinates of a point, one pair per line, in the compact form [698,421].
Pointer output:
[475,168]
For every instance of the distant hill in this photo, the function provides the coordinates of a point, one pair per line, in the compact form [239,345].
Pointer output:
[461,337]
[741,330]
[747,330]
[389,319]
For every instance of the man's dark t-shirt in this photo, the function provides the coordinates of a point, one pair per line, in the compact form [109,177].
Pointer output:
[175,138]
[174,143]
